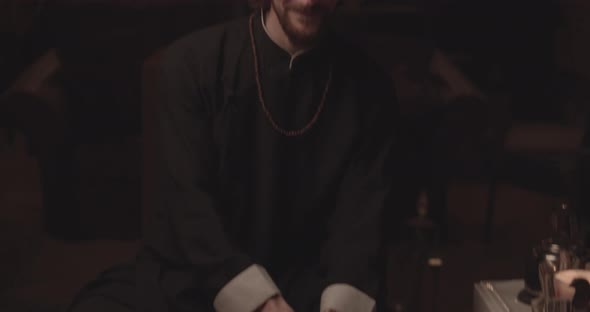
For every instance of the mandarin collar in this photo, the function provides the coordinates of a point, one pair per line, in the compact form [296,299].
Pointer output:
[271,54]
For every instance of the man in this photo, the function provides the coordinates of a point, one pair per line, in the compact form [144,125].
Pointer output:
[274,138]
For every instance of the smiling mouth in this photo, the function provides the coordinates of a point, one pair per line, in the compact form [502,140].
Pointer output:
[308,15]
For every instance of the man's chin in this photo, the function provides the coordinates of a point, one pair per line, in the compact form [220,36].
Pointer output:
[303,38]
[308,22]
[302,33]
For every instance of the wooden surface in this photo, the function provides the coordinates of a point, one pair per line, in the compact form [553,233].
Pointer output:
[542,138]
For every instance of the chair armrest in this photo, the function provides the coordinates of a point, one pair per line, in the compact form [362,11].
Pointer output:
[36,75]
[33,101]
[458,84]
[544,138]
[39,80]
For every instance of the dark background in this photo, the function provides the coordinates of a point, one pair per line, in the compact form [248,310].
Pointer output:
[494,97]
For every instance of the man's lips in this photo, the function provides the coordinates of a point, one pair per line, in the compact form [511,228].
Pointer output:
[308,14]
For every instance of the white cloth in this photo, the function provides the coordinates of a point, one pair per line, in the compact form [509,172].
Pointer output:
[246,292]
[345,298]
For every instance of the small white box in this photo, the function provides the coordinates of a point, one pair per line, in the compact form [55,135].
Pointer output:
[498,296]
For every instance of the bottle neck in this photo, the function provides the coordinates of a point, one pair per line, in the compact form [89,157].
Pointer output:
[564,227]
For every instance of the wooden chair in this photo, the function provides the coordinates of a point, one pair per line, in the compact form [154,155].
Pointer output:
[539,156]
[53,270]
[150,100]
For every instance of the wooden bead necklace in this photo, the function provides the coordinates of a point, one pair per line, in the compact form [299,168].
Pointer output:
[274,124]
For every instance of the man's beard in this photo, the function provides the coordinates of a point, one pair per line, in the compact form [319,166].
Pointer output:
[313,20]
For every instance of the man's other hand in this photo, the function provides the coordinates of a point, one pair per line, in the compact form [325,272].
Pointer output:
[275,304]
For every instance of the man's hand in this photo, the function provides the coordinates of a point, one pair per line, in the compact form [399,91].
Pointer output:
[275,304]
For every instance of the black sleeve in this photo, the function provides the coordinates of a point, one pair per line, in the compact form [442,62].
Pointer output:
[187,163]
[353,252]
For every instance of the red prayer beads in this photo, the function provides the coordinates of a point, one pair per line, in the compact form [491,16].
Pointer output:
[273,123]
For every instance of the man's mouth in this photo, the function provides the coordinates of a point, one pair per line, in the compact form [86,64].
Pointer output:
[309,11]
[308,14]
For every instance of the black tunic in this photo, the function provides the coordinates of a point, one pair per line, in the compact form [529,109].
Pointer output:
[235,192]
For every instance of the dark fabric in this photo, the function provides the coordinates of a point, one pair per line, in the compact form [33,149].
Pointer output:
[114,290]
[235,192]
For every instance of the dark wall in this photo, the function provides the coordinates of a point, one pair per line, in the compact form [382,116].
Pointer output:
[102,45]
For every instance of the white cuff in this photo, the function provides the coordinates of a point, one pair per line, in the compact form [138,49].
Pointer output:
[345,298]
[246,292]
